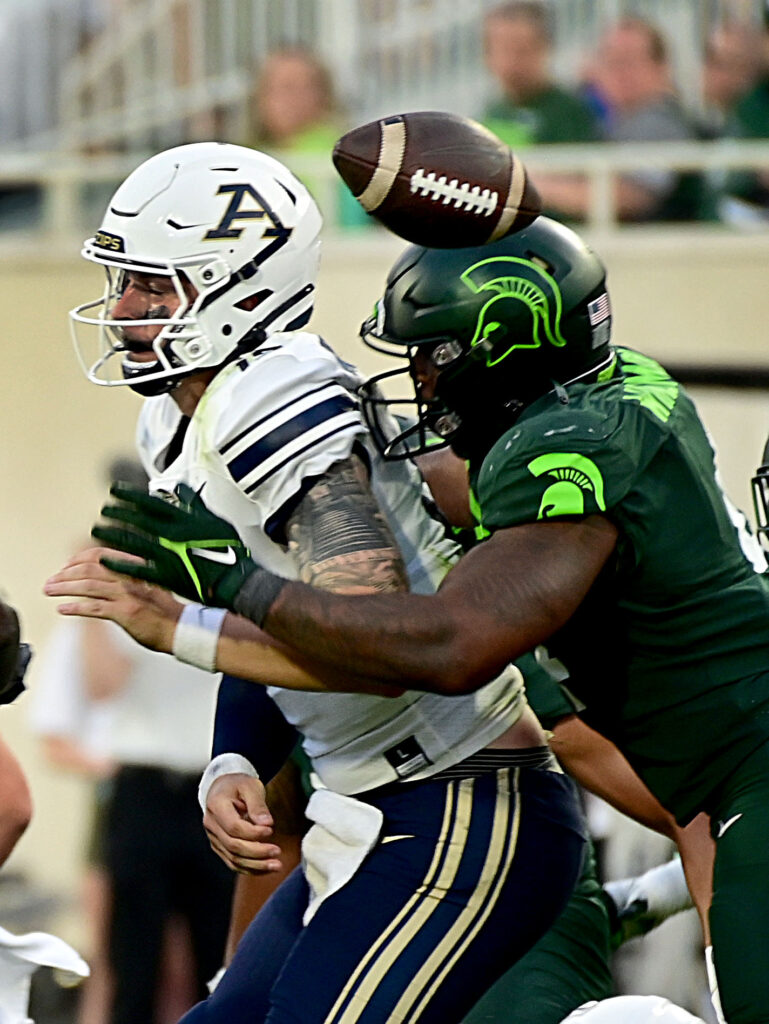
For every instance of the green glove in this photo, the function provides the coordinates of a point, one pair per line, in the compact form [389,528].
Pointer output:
[187,549]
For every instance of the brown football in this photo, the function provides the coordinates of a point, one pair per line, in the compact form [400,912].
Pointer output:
[437,179]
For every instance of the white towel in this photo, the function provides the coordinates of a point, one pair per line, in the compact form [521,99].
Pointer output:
[336,845]
[20,957]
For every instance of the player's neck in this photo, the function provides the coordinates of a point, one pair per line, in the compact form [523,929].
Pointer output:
[190,391]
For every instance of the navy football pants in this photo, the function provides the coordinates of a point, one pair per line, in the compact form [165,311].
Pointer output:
[466,876]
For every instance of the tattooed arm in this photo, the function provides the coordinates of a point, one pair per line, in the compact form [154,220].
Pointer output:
[340,538]
[340,541]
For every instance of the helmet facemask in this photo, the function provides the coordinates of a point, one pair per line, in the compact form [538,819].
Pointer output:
[180,347]
[233,224]
[402,422]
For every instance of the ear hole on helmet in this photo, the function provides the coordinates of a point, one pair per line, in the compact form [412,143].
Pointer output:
[540,262]
[252,301]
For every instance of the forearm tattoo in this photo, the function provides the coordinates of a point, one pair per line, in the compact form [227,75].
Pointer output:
[339,537]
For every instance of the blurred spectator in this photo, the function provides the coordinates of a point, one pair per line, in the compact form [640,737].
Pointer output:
[638,84]
[294,102]
[633,72]
[747,198]
[532,108]
[296,113]
[74,729]
[732,63]
[110,709]
[752,110]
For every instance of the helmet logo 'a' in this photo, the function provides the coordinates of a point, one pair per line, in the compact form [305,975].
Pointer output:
[575,479]
[520,280]
[235,211]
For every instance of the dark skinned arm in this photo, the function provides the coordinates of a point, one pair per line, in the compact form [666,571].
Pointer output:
[501,600]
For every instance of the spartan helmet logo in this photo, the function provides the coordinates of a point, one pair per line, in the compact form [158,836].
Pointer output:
[575,478]
[511,278]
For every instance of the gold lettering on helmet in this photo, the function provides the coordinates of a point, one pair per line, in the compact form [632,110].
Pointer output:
[105,240]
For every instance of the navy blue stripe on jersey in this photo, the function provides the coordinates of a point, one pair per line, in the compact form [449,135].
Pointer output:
[273,412]
[295,453]
[270,444]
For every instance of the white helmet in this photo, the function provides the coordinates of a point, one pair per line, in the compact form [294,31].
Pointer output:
[237,224]
[631,1010]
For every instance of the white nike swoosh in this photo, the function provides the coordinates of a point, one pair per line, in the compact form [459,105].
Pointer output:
[391,839]
[227,557]
[724,825]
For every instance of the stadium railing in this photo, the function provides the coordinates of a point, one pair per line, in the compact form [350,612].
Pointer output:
[74,188]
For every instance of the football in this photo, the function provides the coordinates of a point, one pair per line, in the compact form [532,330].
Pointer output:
[437,179]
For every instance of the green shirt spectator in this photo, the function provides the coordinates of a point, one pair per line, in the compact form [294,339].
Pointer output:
[550,115]
[531,107]
[296,115]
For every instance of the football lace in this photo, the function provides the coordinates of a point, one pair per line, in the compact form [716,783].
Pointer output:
[464,195]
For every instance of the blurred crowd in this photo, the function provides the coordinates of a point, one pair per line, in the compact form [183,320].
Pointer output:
[624,91]
[626,94]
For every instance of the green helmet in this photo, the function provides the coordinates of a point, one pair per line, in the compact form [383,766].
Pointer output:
[504,324]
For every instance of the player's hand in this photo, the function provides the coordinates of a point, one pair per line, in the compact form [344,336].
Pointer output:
[186,548]
[148,613]
[239,825]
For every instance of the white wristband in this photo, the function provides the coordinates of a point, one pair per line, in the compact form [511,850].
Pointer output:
[223,764]
[197,635]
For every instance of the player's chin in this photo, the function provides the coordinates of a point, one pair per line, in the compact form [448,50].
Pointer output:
[140,360]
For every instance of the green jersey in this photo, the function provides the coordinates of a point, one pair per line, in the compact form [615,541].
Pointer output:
[553,115]
[670,649]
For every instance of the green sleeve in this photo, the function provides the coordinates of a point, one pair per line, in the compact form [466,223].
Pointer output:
[543,471]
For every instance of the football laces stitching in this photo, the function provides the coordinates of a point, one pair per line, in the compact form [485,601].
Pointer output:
[464,195]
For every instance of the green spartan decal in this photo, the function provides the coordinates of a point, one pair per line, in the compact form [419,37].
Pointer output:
[510,277]
[574,477]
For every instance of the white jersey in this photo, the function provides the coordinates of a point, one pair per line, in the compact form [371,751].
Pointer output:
[266,427]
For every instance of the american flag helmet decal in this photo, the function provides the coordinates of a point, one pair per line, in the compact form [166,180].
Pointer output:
[599,309]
